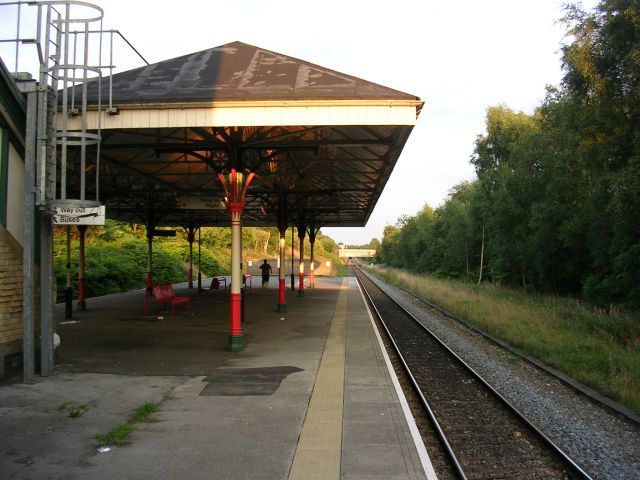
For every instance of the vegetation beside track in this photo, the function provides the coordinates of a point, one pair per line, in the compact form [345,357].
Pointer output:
[598,349]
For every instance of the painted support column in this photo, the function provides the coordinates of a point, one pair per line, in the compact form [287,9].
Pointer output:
[68,291]
[199,261]
[243,279]
[312,266]
[149,289]
[191,237]
[235,333]
[282,289]
[282,229]
[235,185]
[301,234]
[293,243]
[82,302]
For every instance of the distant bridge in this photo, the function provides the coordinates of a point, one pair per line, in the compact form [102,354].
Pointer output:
[357,253]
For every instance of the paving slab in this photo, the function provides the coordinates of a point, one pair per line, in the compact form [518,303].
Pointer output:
[377,443]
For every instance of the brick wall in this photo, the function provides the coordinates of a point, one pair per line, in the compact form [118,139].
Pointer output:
[10,294]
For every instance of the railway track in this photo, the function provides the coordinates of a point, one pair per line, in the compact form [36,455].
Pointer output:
[484,436]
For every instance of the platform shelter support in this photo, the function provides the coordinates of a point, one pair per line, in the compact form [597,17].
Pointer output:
[293,244]
[149,290]
[282,229]
[302,231]
[313,231]
[191,234]
[199,260]
[82,302]
[235,185]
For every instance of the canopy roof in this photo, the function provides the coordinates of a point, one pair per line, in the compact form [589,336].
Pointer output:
[238,71]
[322,143]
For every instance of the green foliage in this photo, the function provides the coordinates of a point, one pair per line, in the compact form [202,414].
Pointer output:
[116,267]
[143,411]
[556,202]
[73,410]
[120,434]
[117,436]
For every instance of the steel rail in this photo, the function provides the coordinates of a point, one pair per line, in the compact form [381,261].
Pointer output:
[573,466]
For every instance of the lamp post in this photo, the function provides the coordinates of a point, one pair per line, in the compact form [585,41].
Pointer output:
[235,186]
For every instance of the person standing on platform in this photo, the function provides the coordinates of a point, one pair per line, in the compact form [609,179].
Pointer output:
[266,270]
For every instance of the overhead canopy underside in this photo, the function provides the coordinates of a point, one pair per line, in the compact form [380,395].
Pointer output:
[323,144]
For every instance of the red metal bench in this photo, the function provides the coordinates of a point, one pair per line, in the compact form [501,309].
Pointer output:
[164,294]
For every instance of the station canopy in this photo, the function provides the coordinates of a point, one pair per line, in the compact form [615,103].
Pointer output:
[321,142]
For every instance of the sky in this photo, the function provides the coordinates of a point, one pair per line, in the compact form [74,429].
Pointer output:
[460,57]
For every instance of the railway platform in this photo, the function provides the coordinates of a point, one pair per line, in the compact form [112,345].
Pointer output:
[310,396]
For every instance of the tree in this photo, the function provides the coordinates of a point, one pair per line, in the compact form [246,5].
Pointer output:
[556,203]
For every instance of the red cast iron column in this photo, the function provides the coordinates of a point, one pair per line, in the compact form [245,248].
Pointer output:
[235,185]
[199,260]
[149,290]
[191,235]
[282,229]
[302,230]
[312,266]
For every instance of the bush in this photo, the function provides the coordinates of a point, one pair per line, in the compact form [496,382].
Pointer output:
[119,267]
[598,291]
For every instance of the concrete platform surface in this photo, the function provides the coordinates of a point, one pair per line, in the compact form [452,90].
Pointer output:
[310,388]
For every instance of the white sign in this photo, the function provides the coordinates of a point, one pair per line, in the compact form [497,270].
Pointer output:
[79,216]
[199,203]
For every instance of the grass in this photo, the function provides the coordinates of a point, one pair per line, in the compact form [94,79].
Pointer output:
[599,350]
[143,411]
[73,410]
[120,434]
[117,436]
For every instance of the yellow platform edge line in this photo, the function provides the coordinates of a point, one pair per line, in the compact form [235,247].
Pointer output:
[319,451]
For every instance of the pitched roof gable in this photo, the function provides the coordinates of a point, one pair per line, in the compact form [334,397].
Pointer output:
[240,72]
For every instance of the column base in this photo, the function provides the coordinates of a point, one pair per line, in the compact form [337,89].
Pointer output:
[236,343]
[301,293]
[282,308]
